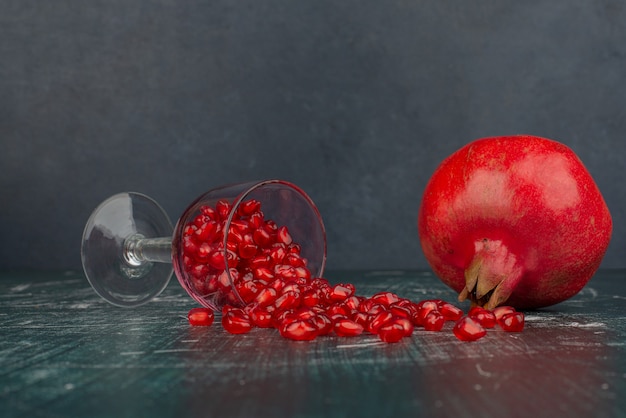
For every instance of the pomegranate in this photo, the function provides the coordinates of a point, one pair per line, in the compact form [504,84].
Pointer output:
[515,219]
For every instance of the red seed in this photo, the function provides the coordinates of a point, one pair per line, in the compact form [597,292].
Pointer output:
[246,249]
[282,235]
[299,330]
[206,232]
[266,297]
[347,328]
[201,317]
[434,321]
[450,312]
[399,310]
[406,324]
[222,208]
[466,329]
[483,316]
[209,212]
[288,300]
[424,308]
[500,311]
[236,321]
[261,317]
[249,207]
[385,298]
[262,237]
[378,320]
[323,323]
[248,290]
[512,322]
[263,273]
[341,292]
[391,332]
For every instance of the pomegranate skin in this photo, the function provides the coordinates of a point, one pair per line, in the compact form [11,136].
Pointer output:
[516,219]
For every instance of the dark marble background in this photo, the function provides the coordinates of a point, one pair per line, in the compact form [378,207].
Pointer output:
[355,101]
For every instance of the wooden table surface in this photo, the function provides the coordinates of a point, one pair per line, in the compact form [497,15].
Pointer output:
[64,352]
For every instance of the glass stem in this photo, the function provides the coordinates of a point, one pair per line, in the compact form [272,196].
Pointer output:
[139,250]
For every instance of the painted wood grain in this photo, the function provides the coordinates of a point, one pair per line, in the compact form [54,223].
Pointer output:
[64,352]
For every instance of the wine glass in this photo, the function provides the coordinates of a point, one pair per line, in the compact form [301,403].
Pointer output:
[227,237]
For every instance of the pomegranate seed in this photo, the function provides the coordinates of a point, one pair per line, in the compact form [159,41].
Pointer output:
[406,324]
[500,311]
[236,321]
[483,316]
[512,322]
[299,330]
[249,207]
[323,323]
[288,300]
[341,292]
[294,260]
[261,317]
[263,273]
[423,310]
[262,237]
[209,212]
[385,298]
[434,321]
[282,235]
[338,309]
[391,332]
[399,310]
[247,290]
[278,285]
[201,220]
[362,318]
[352,302]
[450,312]
[379,320]
[303,273]
[206,232]
[291,287]
[266,297]
[466,329]
[216,260]
[222,208]
[256,220]
[201,317]
[281,317]
[311,298]
[278,253]
[347,328]
[247,250]
[285,271]
[376,308]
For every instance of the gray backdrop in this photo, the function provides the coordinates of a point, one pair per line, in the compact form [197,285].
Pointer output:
[355,101]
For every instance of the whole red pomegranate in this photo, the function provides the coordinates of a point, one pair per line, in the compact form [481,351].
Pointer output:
[516,219]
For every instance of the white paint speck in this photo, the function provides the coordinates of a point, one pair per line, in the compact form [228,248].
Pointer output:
[587,325]
[177,350]
[80,306]
[20,287]
[604,386]
[132,353]
[478,387]
[69,386]
[365,343]
[482,372]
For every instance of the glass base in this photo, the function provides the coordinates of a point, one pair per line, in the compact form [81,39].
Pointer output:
[109,266]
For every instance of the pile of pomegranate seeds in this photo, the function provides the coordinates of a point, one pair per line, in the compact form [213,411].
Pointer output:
[273,288]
